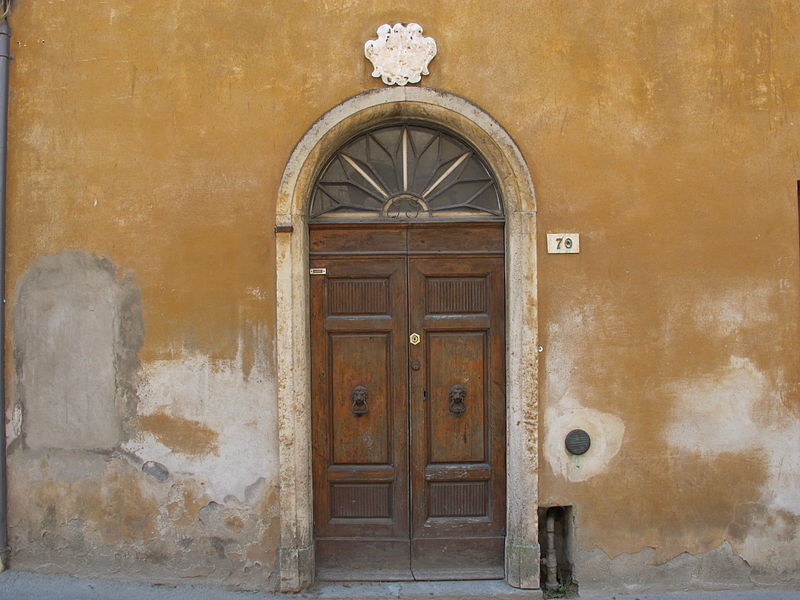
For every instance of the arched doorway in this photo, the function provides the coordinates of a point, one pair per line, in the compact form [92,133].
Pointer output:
[438,110]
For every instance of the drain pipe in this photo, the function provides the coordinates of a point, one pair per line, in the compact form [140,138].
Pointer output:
[550,561]
[5,56]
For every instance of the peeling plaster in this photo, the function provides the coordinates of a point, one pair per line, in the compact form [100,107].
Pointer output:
[181,484]
[14,426]
[182,435]
[733,410]
[120,522]
[719,568]
[233,414]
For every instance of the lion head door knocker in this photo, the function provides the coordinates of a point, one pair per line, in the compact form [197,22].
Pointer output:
[457,396]
[359,397]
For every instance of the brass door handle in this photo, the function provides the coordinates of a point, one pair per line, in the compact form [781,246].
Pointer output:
[414,339]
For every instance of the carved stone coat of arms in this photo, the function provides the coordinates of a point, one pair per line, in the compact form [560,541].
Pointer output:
[401,53]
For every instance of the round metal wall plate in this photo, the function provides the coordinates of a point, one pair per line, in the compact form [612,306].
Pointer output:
[577,442]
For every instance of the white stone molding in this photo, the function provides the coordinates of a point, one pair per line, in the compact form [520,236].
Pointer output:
[292,340]
[401,53]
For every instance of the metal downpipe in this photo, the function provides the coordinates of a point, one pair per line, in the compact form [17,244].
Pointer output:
[5,57]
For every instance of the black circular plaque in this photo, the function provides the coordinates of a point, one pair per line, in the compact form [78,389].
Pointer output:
[577,441]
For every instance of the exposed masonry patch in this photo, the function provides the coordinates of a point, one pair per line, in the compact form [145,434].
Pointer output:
[77,332]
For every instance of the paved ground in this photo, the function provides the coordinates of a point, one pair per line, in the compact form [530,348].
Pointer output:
[17,585]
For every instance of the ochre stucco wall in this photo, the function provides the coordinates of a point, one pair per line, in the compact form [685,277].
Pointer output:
[146,147]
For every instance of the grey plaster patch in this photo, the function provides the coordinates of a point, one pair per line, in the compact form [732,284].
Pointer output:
[208,512]
[61,465]
[77,333]
[255,490]
[716,569]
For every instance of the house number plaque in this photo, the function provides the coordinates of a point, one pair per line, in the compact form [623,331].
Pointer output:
[563,243]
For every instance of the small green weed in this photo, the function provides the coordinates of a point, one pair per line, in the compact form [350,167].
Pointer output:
[565,590]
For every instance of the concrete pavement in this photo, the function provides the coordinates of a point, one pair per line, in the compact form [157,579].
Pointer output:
[18,585]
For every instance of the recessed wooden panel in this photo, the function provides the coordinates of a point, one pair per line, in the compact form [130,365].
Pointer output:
[363,559]
[457,358]
[360,501]
[358,296]
[360,360]
[354,239]
[456,295]
[456,499]
[454,558]
[453,238]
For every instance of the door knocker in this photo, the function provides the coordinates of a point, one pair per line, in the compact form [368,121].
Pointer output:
[457,396]
[359,397]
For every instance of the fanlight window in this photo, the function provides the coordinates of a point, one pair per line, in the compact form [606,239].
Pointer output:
[405,172]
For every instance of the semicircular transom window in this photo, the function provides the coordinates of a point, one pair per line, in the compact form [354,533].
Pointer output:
[406,172]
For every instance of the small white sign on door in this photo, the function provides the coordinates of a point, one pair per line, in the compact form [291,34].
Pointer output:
[563,243]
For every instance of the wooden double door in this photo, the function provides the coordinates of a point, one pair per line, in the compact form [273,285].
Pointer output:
[408,401]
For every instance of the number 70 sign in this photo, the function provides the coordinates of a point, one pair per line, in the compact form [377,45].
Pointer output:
[563,243]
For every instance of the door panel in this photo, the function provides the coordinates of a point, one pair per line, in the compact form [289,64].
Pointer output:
[456,359]
[455,238]
[458,407]
[359,417]
[360,360]
[440,559]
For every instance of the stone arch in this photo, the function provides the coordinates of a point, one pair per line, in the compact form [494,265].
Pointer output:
[292,335]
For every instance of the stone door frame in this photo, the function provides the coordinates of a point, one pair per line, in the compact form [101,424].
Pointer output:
[292,336]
